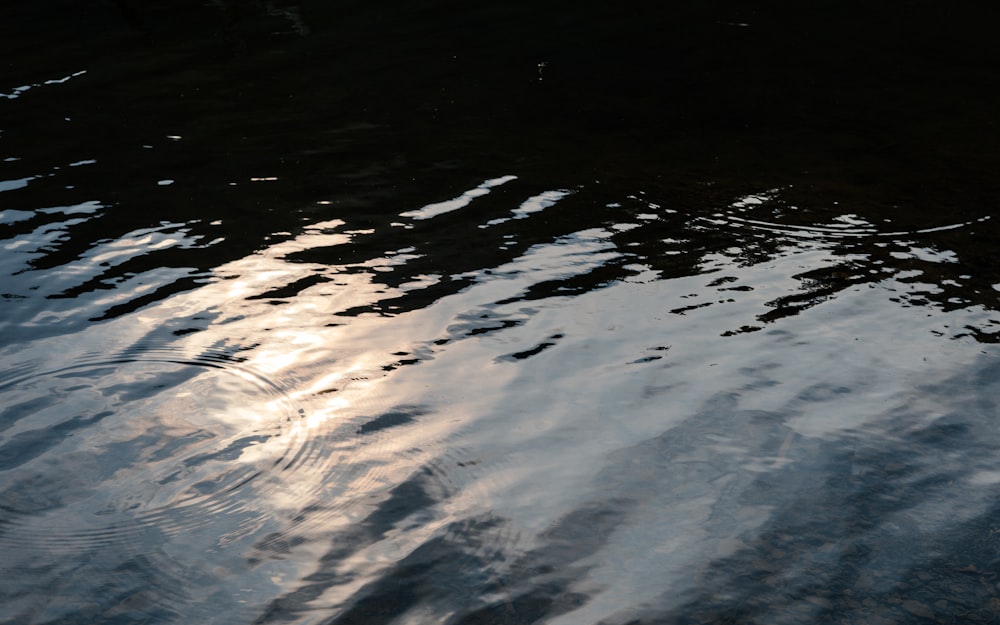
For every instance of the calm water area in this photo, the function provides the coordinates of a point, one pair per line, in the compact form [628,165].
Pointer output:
[437,312]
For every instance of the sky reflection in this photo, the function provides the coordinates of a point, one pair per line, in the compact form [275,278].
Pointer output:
[329,433]
[699,328]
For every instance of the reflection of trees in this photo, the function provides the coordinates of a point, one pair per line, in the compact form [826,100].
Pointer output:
[387,107]
[324,118]
[236,16]
[917,267]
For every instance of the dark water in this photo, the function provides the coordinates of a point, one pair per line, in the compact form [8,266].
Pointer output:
[437,312]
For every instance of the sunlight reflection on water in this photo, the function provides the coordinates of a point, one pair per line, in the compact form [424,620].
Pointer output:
[638,343]
[614,419]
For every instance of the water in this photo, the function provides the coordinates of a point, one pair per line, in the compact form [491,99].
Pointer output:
[386,313]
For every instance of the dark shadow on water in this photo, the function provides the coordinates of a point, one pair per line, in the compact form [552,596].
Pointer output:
[891,528]
[770,157]
[384,108]
[881,530]
[394,418]
[460,568]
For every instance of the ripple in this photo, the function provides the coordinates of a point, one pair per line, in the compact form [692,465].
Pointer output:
[104,449]
[768,213]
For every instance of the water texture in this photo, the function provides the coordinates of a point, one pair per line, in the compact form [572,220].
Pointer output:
[569,313]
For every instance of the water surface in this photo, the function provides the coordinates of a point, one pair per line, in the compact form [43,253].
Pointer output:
[373,313]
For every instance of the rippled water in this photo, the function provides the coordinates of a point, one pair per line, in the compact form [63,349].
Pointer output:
[383,313]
